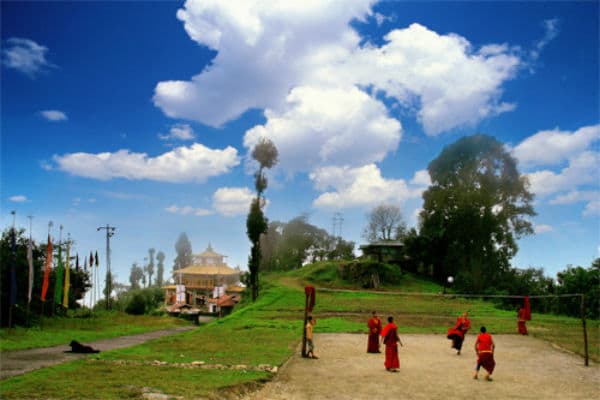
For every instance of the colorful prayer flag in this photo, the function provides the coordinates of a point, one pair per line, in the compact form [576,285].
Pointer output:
[65,301]
[97,259]
[47,270]
[59,278]
[91,259]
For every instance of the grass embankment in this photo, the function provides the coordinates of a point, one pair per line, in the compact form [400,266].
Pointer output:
[61,330]
[268,332]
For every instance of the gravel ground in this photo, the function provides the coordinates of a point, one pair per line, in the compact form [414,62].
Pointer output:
[526,368]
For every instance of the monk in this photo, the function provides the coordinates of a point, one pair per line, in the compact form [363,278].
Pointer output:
[484,347]
[374,332]
[521,318]
[391,340]
[457,333]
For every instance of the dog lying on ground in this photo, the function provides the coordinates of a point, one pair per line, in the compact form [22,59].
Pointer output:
[77,347]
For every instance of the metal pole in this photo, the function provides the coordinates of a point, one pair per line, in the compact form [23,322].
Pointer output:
[585,338]
[110,231]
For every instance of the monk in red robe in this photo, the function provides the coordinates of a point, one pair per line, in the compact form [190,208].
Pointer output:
[457,333]
[521,318]
[391,340]
[484,347]
[374,332]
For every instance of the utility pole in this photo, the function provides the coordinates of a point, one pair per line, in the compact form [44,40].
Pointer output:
[110,231]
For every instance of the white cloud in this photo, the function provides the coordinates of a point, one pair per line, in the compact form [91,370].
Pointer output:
[582,170]
[328,127]
[25,56]
[54,115]
[18,198]
[183,164]
[189,210]
[450,83]
[358,187]
[576,196]
[179,132]
[231,201]
[542,228]
[592,208]
[550,32]
[265,50]
[421,178]
[551,147]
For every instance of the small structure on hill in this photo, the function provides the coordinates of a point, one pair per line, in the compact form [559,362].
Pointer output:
[208,277]
[387,251]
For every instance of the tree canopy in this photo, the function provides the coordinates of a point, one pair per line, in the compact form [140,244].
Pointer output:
[474,211]
[183,247]
[384,222]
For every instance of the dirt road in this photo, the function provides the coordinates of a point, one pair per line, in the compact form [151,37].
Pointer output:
[526,368]
[21,361]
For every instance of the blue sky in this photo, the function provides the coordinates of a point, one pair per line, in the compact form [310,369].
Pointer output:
[141,115]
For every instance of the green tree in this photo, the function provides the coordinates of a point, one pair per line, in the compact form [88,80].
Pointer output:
[580,280]
[384,222]
[160,268]
[474,211]
[151,252]
[135,276]
[183,247]
[265,153]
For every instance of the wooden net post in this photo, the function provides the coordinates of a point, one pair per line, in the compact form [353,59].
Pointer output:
[585,338]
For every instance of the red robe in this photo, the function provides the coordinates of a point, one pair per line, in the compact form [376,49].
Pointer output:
[390,334]
[485,355]
[457,333]
[374,331]
[521,321]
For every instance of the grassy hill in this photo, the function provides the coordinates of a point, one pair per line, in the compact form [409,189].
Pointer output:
[269,331]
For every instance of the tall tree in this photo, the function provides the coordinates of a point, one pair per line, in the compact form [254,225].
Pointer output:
[151,252]
[160,268]
[474,211]
[384,222]
[265,153]
[135,276]
[183,247]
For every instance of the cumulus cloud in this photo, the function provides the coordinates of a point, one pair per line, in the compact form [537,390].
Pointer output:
[550,147]
[195,163]
[359,187]
[179,132]
[18,198]
[592,208]
[25,56]
[581,170]
[328,127]
[189,210]
[231,201]
[421,178]
[542,228]
[54,115]
[264,50]
[267,50]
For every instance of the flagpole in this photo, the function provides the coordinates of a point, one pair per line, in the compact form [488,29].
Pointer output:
[13,287]
[30,262]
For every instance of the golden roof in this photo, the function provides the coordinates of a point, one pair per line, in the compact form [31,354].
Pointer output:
[209,252]
[222,269]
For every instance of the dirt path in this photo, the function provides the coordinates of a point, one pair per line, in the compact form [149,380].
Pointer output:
[21,361]
[526,368]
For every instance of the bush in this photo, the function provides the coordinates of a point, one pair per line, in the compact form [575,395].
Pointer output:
[369,274]
[142,301]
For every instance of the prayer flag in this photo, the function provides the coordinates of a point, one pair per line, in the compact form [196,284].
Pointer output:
[91,259]
[59,278]
[77,262]
[30,263]
[527,316]
[97,259]
[13,272]
[310,292]
[65,301]
[47,270]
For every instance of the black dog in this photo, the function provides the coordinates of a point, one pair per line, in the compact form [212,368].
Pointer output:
[77,347]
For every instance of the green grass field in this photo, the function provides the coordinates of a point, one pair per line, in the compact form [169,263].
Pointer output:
[61,330]
[268,332]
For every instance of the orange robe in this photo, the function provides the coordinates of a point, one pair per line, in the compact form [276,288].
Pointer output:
[521,321]
[374,331]
[457,333]
[485,355]
[390,334]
